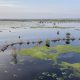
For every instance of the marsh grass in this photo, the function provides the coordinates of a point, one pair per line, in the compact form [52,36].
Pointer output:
[75,67]
[40,52]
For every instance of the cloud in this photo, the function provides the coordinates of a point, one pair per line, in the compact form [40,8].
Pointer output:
[9,2]
[36,9]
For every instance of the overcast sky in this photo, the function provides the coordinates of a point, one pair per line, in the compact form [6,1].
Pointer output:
[39,9]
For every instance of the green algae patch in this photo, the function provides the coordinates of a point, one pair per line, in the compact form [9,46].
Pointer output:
[42,52]
[75,67]
[66,49]
[39,52]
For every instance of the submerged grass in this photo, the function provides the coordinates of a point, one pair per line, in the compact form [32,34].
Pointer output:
[40,52]
[75,67]
[67,48]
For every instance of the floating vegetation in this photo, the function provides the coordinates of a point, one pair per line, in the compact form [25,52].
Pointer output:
[48,43]
[28,43]
[68,70]
[54,75]
[20,43]
[40,42]
[41,51]
[75,68]
[38,52]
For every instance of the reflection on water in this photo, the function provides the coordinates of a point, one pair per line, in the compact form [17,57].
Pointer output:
[67,42]
[14,55]
[68,36]
[58,32]
[48,43]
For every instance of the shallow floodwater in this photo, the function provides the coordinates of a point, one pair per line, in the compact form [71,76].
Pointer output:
[69,57]
[25,68]
[28,68]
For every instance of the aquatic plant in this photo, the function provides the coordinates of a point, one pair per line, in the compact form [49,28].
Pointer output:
[67,33]
[48,43]
[75,67]
[41,52]
[40,41]
[68,36]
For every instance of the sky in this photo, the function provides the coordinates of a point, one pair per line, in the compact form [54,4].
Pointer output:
[29,9]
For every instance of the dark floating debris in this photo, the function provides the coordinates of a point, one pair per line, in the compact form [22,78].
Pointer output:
[12,44]
[72,39]
[64,39]
[68,35]
[68,38]
[1,31]
[79,38]
[67,42]
[20,43]
[9,30]
[58,39]
[58,32]
[33,42]
[6,46]
[13,27]
[48,43]
[19,37]
[55,40]
[28,43]
[3,49]
[54,24]
[40,42]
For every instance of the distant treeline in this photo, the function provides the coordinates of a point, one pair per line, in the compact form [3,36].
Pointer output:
[43,20]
